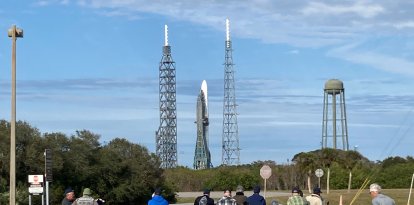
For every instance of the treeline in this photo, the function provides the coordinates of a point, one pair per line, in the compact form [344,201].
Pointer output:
[347,169]
[122,172]
[119,172]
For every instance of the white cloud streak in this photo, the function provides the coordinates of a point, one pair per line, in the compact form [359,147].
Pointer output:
[297,23]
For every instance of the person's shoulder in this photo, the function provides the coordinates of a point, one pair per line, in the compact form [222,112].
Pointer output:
[199,197]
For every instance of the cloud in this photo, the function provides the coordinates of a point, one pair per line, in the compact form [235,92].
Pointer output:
[405,24]
[353,53]
[359,8]
[299,23]
[293,52]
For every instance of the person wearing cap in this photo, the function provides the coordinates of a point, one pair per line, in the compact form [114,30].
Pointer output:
[377,197]
[240,198]
[204,199]
[86,199]
[69,195]
[157,199]
[226,199]
[315,198]
[296,199]
[256,198]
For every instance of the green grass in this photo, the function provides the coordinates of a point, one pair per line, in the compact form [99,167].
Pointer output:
[400,197]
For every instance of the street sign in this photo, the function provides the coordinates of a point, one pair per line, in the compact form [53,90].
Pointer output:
[319,173]
[35,184]
[265,172]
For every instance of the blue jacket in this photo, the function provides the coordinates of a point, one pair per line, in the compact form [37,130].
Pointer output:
[256,199]
[157,200]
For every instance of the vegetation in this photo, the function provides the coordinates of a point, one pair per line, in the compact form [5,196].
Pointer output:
[119,172]
[122,172]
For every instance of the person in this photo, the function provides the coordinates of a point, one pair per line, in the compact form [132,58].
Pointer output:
[377,197]
[69,196]
[86,199]
[226,199]
[240,198]
[157,199]
[256,198]
[296,199]
[204,199]
[315,198]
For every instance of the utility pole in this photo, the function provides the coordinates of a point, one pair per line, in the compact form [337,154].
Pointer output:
[14,33]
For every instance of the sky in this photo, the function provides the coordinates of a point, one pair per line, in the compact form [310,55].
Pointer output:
[93,64]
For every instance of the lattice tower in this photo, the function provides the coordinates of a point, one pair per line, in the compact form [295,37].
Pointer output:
[166,136]
[230,140]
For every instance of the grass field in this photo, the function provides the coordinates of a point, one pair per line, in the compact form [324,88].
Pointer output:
[400,197]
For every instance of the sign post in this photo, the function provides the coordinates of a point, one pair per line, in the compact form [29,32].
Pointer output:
[265,173]
[35,187]
[319,174]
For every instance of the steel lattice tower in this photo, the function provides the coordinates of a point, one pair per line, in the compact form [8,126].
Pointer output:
[231,151]
[166,136]
[202,157]
[334,91]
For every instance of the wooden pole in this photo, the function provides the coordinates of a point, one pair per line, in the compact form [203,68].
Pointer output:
[411,188]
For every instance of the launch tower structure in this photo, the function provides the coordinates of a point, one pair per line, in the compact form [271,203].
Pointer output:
[202,157]
[231,150]
[166,136]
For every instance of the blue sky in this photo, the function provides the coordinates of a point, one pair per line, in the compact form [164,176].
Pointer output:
[93,64]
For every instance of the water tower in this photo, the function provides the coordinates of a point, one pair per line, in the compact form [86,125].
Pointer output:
[334,125]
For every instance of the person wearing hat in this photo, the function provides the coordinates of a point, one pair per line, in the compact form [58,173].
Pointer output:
[256,198]
[157,199]
[86,199]
[226,199]
[69,195]
[204,199]
[240,198]
[377,197]
[315,198]
[296,199]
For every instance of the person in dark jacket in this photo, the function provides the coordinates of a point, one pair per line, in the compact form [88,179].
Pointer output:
[241,199]
[157,199]
[205,199]
[69,196]
[256,199]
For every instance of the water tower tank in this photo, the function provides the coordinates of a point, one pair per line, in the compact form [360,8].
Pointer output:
[334,86]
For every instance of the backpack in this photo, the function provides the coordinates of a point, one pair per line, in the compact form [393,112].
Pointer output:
[203,201]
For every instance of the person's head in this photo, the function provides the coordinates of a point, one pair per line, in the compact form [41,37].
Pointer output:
[240,189]
[296,191]
[69,194]
[206,192]
[157,191]
[256,189]
[227,193]
[374,190]
[87,192]
[317,190]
